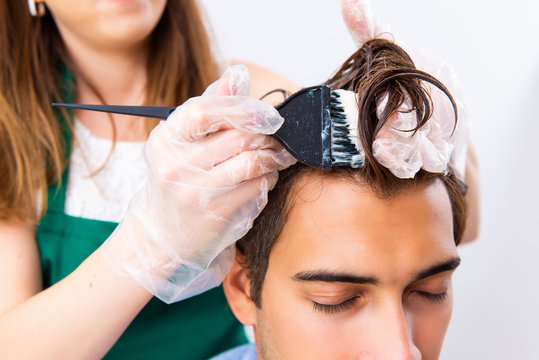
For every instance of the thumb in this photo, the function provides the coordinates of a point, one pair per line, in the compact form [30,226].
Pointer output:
[357,15]
[360,21]
[235,81]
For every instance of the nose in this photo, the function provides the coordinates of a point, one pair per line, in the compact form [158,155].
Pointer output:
[389,336]
[396,342]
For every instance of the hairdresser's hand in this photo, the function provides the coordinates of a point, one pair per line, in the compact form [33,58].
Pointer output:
[361,23]
[210,170]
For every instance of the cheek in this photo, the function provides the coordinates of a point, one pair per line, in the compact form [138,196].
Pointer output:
[71,13]
[293,328]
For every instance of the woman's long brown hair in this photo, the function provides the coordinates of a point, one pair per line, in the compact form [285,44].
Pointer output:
[32,57]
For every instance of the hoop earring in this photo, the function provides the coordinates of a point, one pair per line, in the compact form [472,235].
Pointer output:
[36,9]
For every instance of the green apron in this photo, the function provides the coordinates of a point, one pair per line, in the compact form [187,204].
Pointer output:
[196,328]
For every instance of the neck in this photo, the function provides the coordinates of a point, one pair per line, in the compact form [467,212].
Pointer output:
[118,76]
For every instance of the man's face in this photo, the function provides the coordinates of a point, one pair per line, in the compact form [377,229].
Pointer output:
[352,276]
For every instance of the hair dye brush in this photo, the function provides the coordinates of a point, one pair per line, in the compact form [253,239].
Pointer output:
[317,127]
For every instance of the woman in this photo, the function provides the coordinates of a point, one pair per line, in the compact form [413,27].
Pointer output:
[116,52]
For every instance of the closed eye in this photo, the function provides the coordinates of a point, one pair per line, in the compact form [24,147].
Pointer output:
[435,298]
[335,308]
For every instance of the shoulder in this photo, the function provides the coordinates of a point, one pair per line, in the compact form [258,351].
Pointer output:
[244,352]
[264,80]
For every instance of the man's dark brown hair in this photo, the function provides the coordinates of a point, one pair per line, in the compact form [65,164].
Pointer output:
[377,69]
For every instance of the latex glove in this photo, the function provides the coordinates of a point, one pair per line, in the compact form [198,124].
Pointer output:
[210,169]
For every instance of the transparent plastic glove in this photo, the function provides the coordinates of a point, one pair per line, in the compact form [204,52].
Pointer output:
[360,21]
[443,110]
[210,169]
[437,144]
[404,152]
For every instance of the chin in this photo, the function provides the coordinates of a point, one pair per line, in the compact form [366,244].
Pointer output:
[132,21]
[125,32]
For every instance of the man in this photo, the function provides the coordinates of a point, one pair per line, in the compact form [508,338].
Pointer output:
[357,263]
[352,275]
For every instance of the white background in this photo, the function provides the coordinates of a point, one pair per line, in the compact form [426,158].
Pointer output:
[494,48]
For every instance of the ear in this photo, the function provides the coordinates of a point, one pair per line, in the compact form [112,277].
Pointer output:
[237,291]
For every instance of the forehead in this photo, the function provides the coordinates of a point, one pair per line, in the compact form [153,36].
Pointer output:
[335,224]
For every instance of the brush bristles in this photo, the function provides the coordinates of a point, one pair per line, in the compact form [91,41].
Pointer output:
[346,149]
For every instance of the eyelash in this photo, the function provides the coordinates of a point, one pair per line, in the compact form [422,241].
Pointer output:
[345,305]
[337,308]
[435,298]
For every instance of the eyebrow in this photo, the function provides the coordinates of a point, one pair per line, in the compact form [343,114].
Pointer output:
[332,276]
[329,276]
[443,266]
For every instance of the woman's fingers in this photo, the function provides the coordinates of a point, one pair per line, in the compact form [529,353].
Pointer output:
[360,21]
[224,105]
[243,203]
[211,165]
[219,147]
[245,166]
[232,211]
[235,81]
[189,161]
[251,164]
[357,15]
[204,115]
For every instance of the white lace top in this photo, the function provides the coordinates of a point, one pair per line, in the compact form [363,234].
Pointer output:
[105,195]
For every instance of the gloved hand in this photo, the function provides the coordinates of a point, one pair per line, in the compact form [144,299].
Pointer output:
[211,165]
[439,142]
[361,23]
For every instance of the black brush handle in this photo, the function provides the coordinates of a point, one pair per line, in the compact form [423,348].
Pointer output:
[159,112]
[306,132]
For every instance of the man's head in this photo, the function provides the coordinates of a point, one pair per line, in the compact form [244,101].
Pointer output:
[351,263]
